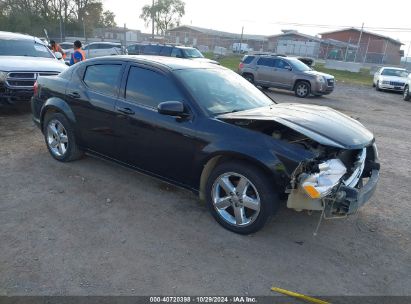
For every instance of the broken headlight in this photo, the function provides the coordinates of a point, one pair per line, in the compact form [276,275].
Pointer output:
[320,184]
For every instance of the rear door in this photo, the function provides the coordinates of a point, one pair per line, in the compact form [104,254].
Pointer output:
[92,94]
[156,143]
[264,71]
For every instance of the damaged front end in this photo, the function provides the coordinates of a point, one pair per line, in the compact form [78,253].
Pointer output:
[342,171]
[339,186]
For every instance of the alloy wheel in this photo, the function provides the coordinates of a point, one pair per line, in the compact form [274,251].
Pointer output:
[236,199]
[57,138]
[302,89]
[406,92]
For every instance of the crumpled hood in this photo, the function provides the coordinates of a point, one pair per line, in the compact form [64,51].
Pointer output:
[35,64]
[315,73]
[322,124]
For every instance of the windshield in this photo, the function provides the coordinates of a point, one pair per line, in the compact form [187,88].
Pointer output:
[192,53]
[220,91]
[23,48]
[394,72]
[299,65]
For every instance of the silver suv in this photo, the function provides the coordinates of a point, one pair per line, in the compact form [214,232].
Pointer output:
[285,73]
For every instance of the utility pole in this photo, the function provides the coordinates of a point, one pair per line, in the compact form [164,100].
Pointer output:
[406,56]
[359,42]
[61,31]
[125,35]
[241,39]
[152,20]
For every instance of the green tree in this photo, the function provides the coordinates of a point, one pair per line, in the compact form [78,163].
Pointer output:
[166,13]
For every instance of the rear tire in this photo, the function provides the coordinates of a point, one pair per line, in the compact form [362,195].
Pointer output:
[60,139]
[406,95]
[302,89]
[240,197]
[249,78]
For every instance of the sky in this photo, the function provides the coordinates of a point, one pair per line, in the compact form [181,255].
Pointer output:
[269,17]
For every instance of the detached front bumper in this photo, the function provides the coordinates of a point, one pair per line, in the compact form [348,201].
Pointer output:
[348,200]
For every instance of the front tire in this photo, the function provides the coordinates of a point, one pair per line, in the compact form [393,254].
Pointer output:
[240,197]
[60,138]
[302,89]
[377,86]
[406,95]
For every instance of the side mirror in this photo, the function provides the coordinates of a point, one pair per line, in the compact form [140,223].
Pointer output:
[171,108]
[58,55]
[289,68]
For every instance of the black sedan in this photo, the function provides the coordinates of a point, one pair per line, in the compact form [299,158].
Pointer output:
[205,128]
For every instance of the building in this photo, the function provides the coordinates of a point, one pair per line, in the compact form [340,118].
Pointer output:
[373,48]
[198,36]
[118,34]
[292,42]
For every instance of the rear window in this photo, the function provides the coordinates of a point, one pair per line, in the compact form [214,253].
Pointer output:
[248,59]
[103,78]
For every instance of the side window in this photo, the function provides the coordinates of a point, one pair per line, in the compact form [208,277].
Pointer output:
[176,53]
[150,88]
[103,78]
[264,61]
[281,64]
[152,49]
[248,59]
[166,51]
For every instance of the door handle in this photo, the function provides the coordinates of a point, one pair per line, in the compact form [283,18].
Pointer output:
[126,111]
[74,95]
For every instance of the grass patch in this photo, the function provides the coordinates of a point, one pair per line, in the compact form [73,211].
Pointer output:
[361,78]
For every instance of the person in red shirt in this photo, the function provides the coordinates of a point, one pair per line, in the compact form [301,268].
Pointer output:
[55,47]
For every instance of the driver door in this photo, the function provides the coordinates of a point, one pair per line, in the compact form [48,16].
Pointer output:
[160,144]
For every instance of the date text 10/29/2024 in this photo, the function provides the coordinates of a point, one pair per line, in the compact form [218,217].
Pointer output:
[206,299]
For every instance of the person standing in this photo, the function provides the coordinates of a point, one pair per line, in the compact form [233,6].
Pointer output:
[78,54]
[55,47]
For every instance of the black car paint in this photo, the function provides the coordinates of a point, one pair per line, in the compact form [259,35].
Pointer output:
[176,149]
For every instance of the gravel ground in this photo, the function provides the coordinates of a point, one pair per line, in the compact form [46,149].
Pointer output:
[94,228]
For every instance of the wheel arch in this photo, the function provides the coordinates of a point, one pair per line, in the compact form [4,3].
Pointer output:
[56,105]
[301,79]
[213,160]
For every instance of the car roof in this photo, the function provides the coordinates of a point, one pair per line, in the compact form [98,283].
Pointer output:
[169,63]
[104,42]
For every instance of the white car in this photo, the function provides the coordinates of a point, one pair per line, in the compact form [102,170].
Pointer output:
[23,58]
[407,87]
[390,78]
[98,49]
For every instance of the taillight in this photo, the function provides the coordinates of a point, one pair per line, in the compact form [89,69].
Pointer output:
[241,65]
[35,88]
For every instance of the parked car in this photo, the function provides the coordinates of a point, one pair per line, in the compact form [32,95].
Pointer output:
[99,49]
[407,93]
[284,72]
[390,78]
[168,51]
[206,128]
[22,59]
